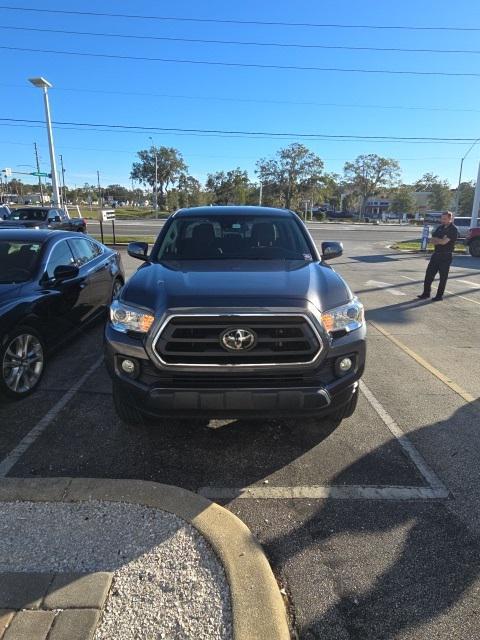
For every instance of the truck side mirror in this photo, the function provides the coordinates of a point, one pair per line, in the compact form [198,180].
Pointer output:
[138,250]
[331,250]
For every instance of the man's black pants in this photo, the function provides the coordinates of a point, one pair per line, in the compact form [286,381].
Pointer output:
[439,263]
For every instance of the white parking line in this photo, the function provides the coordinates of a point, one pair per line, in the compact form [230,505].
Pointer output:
[447,291]
[469,282]
[434,491]
[386,286]
[14,456]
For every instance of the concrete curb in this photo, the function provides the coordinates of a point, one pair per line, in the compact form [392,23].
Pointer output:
[257,606]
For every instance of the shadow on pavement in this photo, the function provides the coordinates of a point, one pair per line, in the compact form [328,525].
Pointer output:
[384,570]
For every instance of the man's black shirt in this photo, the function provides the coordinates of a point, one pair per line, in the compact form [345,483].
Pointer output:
[449,230]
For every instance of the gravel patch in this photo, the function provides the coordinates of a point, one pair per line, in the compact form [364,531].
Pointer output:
[168,583]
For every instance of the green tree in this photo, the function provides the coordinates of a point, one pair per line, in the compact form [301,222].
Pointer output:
[440,194]
[189,191]
[402,199]
[369,174]
[465,199]
[293,173]
[231,187]
[440,197]
[170,166]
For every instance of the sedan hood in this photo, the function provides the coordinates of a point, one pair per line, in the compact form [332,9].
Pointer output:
[235,283]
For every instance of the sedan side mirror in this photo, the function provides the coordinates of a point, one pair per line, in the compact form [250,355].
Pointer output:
[138,250]
[331,250]
[65,272]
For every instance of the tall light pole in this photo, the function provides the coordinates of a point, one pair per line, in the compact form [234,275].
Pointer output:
[457,196]
[43,84]
[476,202]
[155,192]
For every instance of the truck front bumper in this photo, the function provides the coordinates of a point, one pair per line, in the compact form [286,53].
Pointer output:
[162,394]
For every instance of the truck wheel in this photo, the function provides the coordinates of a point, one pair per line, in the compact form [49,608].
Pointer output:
[127,413]
[474,248]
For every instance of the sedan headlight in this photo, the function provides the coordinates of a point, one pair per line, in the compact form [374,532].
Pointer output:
[347,317]
[126,318]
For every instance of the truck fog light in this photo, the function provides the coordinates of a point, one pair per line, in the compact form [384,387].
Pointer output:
[343,365]
[130,367]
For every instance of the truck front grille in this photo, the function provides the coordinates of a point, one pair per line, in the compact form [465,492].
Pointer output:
[197,341]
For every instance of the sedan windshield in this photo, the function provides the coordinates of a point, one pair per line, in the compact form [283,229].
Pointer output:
[29,214]
[18,260]
[244,237]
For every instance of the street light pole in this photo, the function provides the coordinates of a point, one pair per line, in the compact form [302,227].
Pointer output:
[476,202]
[457,196]
[43,84]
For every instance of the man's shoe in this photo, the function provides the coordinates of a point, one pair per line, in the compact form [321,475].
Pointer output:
[423,296]
[437,298]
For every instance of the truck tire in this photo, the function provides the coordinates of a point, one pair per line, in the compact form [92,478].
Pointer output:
[128,414]
[474,248]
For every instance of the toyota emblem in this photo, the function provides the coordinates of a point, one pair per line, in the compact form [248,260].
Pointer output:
[238,339]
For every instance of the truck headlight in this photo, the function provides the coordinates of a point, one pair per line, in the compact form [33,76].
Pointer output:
[347,317]
[126,318]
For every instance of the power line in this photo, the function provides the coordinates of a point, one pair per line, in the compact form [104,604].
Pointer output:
[266,134]
[245,22]
[239,42]
[211,156]
[218,63]
[248,100]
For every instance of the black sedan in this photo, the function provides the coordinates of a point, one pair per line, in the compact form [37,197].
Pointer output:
[52,283]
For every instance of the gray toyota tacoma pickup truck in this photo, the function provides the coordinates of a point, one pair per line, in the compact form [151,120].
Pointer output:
[232,314]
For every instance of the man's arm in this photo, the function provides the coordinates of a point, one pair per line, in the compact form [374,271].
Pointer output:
[442,241]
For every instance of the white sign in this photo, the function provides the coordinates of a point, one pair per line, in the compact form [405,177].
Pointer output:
[7,171]
[108,214]
[425,236]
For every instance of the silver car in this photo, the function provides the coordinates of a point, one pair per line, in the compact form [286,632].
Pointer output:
[463,226]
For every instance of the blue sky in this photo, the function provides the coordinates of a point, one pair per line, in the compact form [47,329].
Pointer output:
[117,91]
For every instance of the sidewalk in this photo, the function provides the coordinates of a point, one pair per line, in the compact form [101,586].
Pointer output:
[116,559]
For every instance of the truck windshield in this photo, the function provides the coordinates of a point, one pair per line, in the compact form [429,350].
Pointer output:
[18,260]
[244,237]
[29,214]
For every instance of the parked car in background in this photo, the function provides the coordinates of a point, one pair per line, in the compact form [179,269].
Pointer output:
[52,283]
[463,226]
[472,241]
[44,218]
[234,313]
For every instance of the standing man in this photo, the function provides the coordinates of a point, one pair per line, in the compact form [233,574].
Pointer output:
[444,238]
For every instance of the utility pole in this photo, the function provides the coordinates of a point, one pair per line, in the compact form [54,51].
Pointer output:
[476,202]
[38,171]
[63,182]
[100,199]
[457,195]
[260,195]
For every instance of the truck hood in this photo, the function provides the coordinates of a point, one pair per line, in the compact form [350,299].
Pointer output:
[235,283]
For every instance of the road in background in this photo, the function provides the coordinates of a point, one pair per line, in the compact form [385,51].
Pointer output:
[362,563]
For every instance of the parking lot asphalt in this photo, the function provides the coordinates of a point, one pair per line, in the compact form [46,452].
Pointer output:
[373,529]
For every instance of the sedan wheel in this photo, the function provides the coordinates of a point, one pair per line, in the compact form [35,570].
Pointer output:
[22,364]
